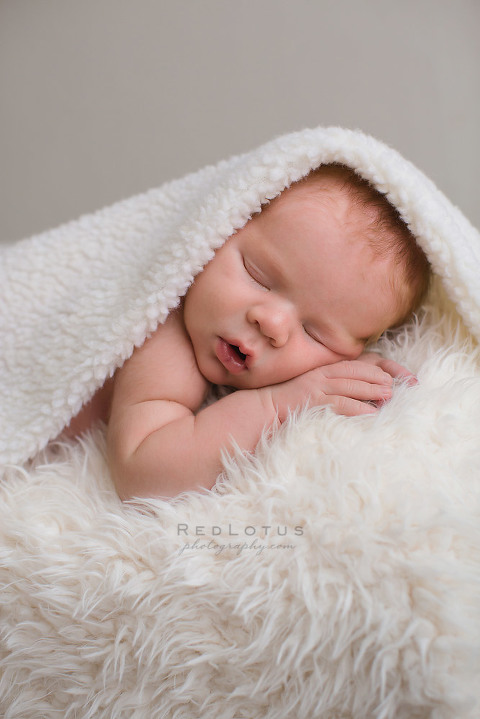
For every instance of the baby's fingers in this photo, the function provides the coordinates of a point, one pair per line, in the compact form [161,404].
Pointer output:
[358,390]
[395,370]
[357,370]
[350,407]
[398,372]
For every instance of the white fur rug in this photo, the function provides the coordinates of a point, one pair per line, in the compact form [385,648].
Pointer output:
[186,609]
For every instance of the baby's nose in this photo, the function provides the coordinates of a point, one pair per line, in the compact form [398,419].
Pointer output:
[273,322]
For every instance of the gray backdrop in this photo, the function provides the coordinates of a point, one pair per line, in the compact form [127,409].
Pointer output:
[101,99]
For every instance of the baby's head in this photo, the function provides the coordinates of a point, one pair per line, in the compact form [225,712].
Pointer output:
[370,216]
[325,267]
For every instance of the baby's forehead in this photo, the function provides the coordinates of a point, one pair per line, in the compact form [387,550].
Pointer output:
[328,196]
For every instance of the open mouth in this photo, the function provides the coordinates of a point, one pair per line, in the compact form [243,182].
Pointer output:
[237,351]
[231,356]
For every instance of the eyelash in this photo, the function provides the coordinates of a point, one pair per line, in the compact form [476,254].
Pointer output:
[315,339]
[252,276]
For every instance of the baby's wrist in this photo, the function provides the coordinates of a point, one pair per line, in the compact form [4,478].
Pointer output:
[275,401]
[270,409]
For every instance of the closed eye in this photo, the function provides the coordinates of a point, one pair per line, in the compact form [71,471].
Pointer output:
[349,354]
[313,336]
[255,274]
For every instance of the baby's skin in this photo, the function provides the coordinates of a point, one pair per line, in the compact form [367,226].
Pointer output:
[282,313]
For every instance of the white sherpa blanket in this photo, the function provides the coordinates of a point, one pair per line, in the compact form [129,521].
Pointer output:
[333,575]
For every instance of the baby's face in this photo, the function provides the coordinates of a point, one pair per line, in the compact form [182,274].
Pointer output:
[291,291]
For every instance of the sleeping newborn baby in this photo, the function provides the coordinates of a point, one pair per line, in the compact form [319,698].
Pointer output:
[282,313]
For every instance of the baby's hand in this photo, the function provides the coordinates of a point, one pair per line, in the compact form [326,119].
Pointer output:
[346,386]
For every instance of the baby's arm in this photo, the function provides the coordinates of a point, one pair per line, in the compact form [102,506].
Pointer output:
[162,448]
[157,445]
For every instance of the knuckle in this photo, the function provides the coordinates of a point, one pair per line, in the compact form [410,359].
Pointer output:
[340,404]
[347,368]
[350,387]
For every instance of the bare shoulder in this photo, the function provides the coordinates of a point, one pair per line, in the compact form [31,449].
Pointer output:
[164,367]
